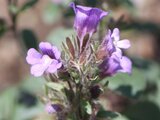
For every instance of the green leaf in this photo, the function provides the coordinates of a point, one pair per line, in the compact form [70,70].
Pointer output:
[144,110]
[27,5]
[87,106]
[3,27]
[13,9]
[107,114]
[135,82]
[55,86]
[29,39]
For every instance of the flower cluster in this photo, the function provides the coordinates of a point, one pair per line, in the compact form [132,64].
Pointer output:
[115,62]
[47,61]
[75,78]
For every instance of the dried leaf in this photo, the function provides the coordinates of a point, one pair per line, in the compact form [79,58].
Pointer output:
[85,41]
[78,43]
[75,44]
[82,58]
[101,54]
[70,47]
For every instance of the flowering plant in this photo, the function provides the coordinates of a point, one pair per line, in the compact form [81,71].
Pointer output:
[73,76]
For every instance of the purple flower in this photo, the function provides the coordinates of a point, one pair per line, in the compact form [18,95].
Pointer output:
[52,108]
[47,61]
[112,42]
[86,20]
[114,64]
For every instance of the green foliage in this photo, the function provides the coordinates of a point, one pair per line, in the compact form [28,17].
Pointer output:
[87,106]
[27,5]
[144,110]
[136,81]
[103,114]
[3,27]
[55,86]
[12,109]
[29,39]
[13,9]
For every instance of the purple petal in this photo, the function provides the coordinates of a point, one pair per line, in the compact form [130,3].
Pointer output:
[125,44]
[126,65]
[114,65]
[56,52]
[87,19]
[116,34]
[46,61]
[74,6]
[33,56]
[49,109]
[110,66]
[118,53]
[54,66]
[110,46]
[44,47]
[59,65]
[37,70]
[48,49]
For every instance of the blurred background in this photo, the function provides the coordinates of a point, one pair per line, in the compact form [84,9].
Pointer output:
[24,23]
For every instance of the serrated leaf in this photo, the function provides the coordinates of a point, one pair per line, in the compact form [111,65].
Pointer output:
[55,86]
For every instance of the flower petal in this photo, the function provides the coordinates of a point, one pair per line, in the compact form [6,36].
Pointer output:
[59,65]
[125,44]
[54,66]
[115,34]
[110,66]
[49,109]
[46,61]
[33,56]
[56,52]
[86,20]
[126,65]
[44,47]
[118,53]
[37,70]
[114,65]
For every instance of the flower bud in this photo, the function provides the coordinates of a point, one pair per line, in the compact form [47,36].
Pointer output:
[95,91]
[53,108]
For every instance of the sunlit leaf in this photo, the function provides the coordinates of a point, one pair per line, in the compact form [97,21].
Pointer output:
[87,106]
